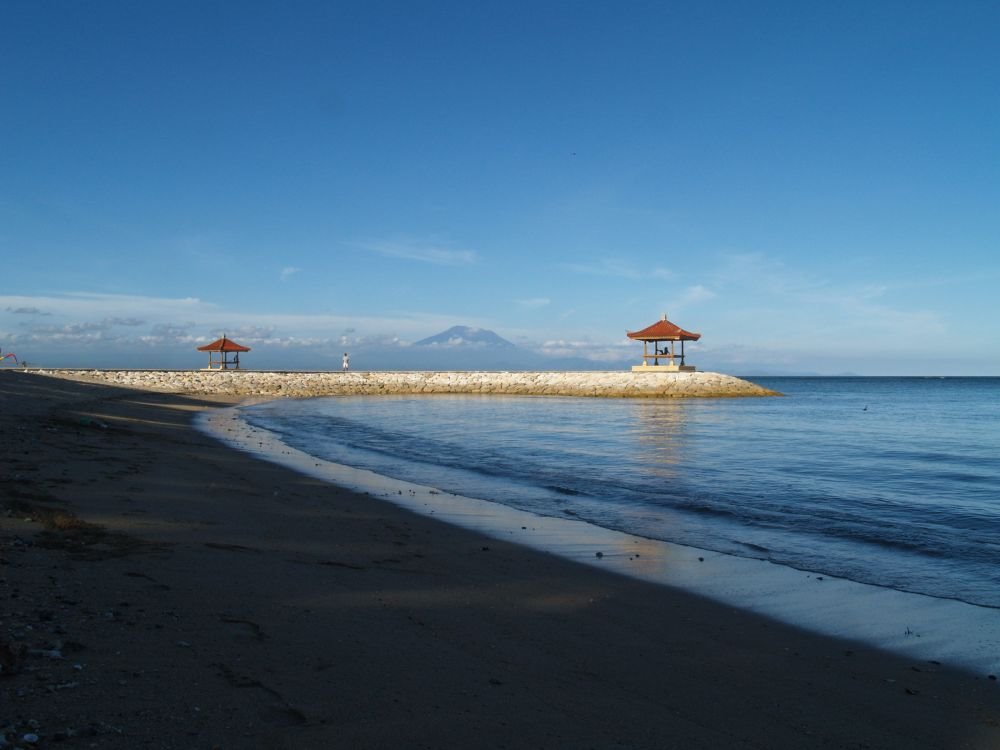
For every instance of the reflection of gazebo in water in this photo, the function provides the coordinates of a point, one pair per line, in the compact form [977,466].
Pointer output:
[670,334]
[219,351]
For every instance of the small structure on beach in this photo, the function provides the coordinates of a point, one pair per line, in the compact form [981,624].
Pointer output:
[663,335]
[219,352]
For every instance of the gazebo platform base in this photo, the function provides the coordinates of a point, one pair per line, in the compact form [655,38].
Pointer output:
[664,368]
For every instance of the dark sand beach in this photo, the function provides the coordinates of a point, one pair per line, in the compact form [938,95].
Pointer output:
[161,590]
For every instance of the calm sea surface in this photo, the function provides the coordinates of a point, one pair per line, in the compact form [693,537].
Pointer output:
[890,481]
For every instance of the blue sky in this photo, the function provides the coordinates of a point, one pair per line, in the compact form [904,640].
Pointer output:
[813,187]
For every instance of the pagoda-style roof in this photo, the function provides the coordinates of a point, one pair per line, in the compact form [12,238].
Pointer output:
[223,345]
[663,330]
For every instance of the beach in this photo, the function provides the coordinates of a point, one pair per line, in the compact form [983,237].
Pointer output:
[164,590]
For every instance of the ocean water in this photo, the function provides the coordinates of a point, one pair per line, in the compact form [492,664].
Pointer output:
[893,482]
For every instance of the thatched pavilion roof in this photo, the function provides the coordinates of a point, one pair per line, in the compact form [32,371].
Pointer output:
[663,330]
[223,345]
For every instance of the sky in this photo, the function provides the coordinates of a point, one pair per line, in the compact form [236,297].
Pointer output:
[813,187]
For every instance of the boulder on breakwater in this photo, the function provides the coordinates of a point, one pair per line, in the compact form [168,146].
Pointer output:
[292,384]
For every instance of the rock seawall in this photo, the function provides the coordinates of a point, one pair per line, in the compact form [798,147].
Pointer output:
[305,384]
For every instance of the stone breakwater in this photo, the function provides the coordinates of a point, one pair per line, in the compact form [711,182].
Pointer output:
[305,384]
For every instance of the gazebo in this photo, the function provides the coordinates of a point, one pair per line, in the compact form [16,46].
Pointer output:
[219,351]
[668,333]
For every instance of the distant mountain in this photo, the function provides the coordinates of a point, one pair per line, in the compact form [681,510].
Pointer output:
[464,336]
[463,348]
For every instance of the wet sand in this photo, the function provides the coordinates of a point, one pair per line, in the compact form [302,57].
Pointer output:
[160,589]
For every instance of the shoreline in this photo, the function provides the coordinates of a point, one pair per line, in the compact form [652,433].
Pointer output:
[198,596]
[920,626]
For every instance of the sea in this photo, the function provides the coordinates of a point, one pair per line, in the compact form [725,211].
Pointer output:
[866,507]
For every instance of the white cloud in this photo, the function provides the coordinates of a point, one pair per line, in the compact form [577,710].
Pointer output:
[619,268]
[594,351]
[164,332]
[351,338]
[84,327]
[108,305]
[288,271]
[788,309]
[533,302]
[421,252]
[766,276]
[103,324]
[693,295]
[26,311]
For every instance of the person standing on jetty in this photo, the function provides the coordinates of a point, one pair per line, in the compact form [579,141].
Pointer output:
[347,362]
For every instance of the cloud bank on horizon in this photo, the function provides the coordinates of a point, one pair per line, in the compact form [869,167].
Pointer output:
[811,188]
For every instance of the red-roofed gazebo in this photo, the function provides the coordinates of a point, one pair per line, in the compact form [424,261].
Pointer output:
[223,348]
[670,333]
